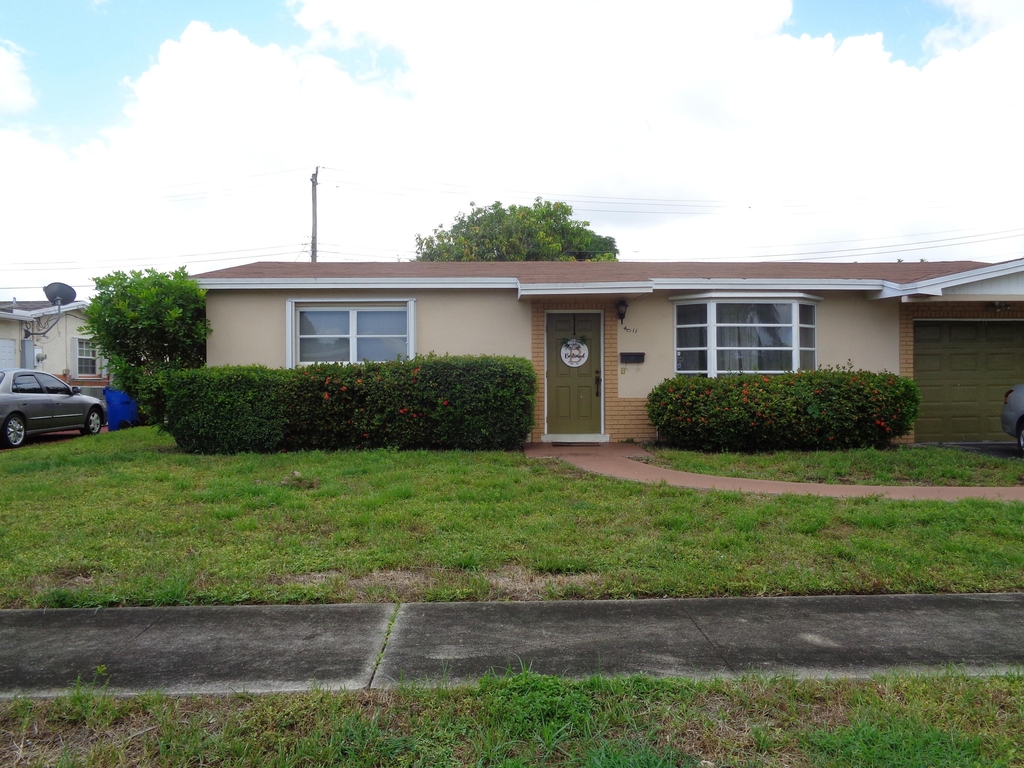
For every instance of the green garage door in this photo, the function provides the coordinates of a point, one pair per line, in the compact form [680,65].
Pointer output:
[963,370]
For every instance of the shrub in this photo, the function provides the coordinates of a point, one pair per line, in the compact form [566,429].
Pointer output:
[471,403]
[147,325]
[480,403]
[230,409]
[833,408]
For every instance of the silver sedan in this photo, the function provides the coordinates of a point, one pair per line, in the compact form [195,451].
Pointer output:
[33,402]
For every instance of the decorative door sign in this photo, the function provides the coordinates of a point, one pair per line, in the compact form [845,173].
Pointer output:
[575,353]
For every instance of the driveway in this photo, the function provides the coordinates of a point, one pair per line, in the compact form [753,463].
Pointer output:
[999,449]
[51,437]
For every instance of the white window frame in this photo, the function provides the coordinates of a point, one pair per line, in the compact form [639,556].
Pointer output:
[101,363]
[711,348]
[294,306]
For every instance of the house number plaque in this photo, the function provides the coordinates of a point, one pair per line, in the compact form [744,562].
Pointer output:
[574,353]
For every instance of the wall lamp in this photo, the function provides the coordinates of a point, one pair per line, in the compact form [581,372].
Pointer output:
[620,309]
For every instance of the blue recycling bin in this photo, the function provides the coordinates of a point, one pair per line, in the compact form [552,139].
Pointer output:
[122,411]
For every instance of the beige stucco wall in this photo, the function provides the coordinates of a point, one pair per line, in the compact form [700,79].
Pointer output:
[473,323]
[250,326]
[649,327]
[852,327]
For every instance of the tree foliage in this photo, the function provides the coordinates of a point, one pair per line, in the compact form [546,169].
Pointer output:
[544,231]
[146,324]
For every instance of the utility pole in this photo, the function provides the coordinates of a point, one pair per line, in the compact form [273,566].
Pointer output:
[312,249]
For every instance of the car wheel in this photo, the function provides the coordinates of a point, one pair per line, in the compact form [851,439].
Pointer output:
[93,422]
[13,433]
[1020,438]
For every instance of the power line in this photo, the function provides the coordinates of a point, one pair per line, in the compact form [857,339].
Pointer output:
[924,245]
[148,260]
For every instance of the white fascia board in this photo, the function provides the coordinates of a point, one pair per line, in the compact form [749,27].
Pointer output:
[894,290]
[52,310]
[769,295]
[583,289]
[772,284]
[937,285]
[336,283]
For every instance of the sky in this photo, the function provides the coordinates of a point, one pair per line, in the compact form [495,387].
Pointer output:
[141,134]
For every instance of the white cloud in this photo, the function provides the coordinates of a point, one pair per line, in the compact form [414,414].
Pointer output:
[779,141]
[975,20]
[15,88]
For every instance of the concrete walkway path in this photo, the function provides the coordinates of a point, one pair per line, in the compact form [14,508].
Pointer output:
[618,460]
[228,649]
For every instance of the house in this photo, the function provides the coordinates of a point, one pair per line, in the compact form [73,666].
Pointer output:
[33,335]
[602,335]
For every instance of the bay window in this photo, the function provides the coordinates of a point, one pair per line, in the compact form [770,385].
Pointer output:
[759,336]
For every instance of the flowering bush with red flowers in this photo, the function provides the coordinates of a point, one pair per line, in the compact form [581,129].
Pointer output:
[830,408]
[470,403]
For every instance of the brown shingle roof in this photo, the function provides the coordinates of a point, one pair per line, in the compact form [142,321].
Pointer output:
[24,306]
[574,272]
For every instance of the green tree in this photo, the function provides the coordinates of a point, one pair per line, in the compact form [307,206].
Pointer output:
[544,231]
[147,324]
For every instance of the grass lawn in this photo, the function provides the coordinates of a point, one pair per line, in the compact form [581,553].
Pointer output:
[531,720]
[904,465]
[124,519]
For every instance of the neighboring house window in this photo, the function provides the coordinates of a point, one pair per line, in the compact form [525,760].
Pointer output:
[352,334]
[721,337]
[89,361]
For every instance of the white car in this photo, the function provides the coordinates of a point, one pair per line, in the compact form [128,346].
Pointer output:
[1013,414]
[33,402]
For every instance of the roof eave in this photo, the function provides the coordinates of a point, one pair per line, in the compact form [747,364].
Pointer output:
[409,283]
[587,288]
[937,285]
[52,310]
[775,283]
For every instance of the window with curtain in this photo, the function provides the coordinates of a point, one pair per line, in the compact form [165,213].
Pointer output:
[720,337]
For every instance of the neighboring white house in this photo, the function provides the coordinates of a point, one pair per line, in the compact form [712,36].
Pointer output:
[32,335]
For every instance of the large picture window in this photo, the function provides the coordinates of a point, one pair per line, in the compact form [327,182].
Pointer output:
[352,334]
[715,338]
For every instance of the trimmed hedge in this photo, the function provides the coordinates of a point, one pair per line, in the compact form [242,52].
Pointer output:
[809,410]
[232,409]
[470,403]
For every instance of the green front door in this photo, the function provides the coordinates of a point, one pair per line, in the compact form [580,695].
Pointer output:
[574,373]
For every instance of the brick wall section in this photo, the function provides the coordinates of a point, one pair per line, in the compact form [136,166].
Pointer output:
[624,418]
[942,310]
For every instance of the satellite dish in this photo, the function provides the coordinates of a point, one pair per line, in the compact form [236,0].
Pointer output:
[59,293]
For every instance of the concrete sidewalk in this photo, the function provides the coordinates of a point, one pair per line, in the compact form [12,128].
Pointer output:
[290,648]
[618,460]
